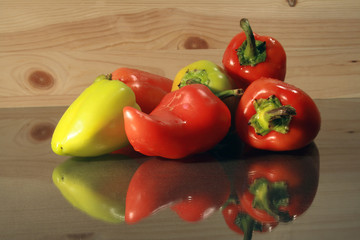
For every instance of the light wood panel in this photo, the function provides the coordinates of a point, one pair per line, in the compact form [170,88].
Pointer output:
[50,51]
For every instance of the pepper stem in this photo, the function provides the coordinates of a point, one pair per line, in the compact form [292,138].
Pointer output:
[270,197]
[250,49]
[230,93]
[246,224]
[195,76]
[103,77]
[271,115]
[251,52]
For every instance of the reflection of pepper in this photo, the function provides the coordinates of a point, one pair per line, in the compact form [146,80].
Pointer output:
[203,72]
[240,222]
[187,121]
[149,88]
[278,186]
[249,57]
[193,187]
[96,186]
[93,124]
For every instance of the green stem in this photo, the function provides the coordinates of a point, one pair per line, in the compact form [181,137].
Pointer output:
[230,93]
[248,228]
[271,115]
[191,81]
[195,76]
[280,112]
[262,200]
[103,77]
[270,196]
[250,50]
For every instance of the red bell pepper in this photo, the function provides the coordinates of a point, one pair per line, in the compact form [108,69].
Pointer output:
[149,88]
[249,57]
[279,186]
[194,187]
[273,115]
[187,121]
[240,222]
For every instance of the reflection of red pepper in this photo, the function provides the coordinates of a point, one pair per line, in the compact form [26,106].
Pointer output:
[274,115]
[249,57]
[149,88]
[193,187]
[187,121]
[278,186]
[240,222]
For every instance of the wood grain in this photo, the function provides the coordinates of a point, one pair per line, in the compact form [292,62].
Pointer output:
[49,52]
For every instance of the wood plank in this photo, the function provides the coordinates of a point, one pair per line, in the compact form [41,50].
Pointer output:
[165,29]
[50,52]
[63,76]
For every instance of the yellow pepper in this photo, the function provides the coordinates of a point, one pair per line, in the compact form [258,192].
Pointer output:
[93,124]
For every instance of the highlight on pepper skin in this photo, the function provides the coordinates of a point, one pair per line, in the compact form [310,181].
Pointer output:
[187,121]
[93,124]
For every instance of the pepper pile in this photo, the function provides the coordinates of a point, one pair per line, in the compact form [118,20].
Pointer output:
[175,119]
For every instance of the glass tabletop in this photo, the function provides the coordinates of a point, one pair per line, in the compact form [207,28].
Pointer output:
[311,193]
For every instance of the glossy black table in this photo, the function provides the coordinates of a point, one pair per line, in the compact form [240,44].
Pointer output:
[32,207]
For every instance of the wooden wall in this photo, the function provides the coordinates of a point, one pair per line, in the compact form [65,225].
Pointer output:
[51,50]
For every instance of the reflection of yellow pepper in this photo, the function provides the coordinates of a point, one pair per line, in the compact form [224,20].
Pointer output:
[93,124]
[97,185]
[204,72]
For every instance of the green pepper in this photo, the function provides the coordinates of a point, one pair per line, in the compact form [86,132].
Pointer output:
[93,124]
[203,72]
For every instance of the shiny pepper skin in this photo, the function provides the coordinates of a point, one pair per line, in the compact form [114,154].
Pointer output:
[93,124]
[250,56]
[187,121]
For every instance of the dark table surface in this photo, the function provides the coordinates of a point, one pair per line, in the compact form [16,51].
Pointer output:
[32,207]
